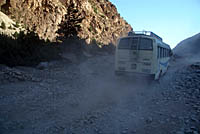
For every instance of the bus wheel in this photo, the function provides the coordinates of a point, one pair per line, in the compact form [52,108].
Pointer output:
[159,76]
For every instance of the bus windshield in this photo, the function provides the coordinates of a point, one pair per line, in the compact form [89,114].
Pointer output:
[136,42]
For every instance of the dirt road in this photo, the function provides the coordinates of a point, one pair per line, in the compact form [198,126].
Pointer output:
[87,98]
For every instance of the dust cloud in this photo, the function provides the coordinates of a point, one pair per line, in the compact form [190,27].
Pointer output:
[104,87]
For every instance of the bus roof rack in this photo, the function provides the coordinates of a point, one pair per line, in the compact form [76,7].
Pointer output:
[147,33]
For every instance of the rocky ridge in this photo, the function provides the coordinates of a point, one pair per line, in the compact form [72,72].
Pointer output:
[101,21]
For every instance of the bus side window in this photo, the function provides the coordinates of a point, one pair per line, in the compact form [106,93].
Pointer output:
[158,49]
[167,53]
[160,52]
[164,52]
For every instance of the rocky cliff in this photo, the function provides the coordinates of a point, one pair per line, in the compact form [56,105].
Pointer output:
[100,19]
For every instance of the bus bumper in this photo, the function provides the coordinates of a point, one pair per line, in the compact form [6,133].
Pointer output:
[125,73]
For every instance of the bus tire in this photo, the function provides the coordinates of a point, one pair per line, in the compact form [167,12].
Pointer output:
[157,76]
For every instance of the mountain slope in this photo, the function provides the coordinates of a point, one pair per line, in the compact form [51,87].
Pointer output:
[189,47]
[101,20]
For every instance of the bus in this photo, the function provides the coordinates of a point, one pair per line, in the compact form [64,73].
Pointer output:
[142,53]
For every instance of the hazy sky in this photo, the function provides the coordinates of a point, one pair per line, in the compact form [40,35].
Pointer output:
[173,20]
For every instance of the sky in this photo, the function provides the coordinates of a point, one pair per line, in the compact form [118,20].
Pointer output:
[173,20]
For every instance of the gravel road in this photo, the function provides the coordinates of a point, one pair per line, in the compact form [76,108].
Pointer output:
[87,98]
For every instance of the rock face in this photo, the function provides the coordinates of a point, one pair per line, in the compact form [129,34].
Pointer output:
[42,16]
[101,20]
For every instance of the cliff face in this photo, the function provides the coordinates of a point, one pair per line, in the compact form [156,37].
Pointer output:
[101,21]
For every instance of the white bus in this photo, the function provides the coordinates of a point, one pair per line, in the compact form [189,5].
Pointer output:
[142,52]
